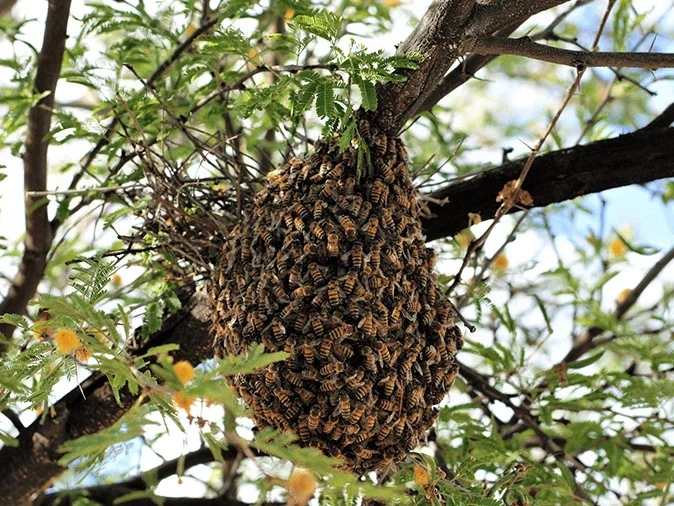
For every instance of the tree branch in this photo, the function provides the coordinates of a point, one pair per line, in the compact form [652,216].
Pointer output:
[30,467]
[635,158]
[447,30]
[38,236]
[572,58]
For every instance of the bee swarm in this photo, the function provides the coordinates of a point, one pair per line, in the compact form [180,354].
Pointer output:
[336,273]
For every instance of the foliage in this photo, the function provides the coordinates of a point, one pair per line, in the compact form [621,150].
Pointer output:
[265,80]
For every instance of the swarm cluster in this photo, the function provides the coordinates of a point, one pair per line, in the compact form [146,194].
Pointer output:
[336,273]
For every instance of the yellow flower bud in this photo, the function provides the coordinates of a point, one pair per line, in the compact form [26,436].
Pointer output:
[617,247]
[184,371]
[301,486]
[501,262]
[420,475]
[67,341]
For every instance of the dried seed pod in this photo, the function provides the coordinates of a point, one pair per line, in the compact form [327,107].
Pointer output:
[335,272]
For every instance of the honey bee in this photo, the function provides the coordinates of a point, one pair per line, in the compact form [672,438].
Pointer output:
[345,406]
[295,276]
[411,443]
[415,397]
[299,224]
[278,329]
[353,311]
[383,352]
[370,359]
[289,221]
[293,411]
[399,426]
[305,434]
[342,351]
[271,377]
[387,405]
[364,212]
[348,225]
[318,301]
[293,378]
[317,323]
[333,245]
[333,294]
[308,352]
[329,425]
[389,383]
[328,189]
[300,322]
[284,396]
[354,381]
[319,206]
[426,371]
[367,325]
[335,172]
[324,349]
[375,256]
[311,373]
[365,454]
[357,413]
[380,142]
[302,291]
[300,210]
[388,174]
[245,251]
[355,205]
[336,433]
[339,333]
[290,308]
[368,422]
[317,230]
[364,130]
[255,321]
[363,390]
[314,417]
[331,368]
[387,219]
[266,236]
[401,198]
[307,396]
[370,228]
[357,256]
[385,430]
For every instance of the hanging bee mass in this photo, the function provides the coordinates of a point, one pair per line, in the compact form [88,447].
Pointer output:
[336,273]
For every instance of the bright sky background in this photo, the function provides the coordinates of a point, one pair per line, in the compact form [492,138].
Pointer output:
[628,208]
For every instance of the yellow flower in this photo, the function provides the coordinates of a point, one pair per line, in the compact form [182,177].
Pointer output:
[392,3]
[82,354]
[501,262]
[463,239]
[184,371]
[290,13]
[67,341]
[623,295]
[183,400]
[253,54]
[191,28]
[301,486]
[420,475]
[617,247]
[116,279]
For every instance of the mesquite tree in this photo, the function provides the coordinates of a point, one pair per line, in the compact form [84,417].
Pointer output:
[226,205]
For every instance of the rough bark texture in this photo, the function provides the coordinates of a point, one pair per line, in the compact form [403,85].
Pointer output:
[38,231]
[30,467]
[634,158]
[448,30]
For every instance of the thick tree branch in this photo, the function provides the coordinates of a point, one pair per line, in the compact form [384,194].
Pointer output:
[571,58]
[635,158]
[448,30]
[38,236]
[29,468]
